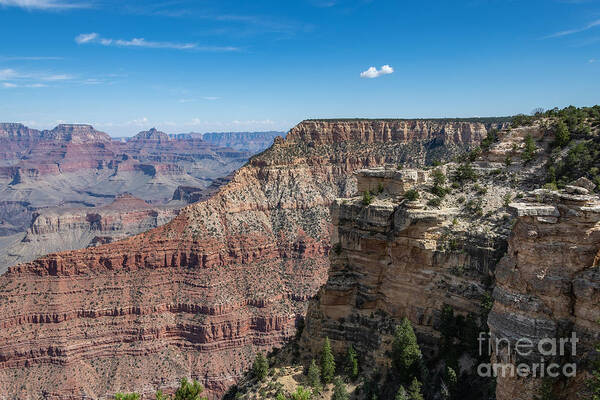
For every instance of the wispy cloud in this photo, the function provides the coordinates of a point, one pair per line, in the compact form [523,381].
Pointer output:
[28,58]
[12,78]
[44,4]
[86,38]
[373,72]
[573,31]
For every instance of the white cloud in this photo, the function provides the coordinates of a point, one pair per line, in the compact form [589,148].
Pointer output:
[8,85]
[576,30]
[8,73]
[211,98]
[86,37]
[373,72]
[43,4]
[141,42]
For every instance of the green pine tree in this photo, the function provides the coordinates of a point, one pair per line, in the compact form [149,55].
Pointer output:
[301,394]
[401,394]
[406,353]
[414,390]
[529,150]
[351,363]
[327,362]
[260,367]
[127,396]
[314,376]
[339,390]
[189,390]
[562,136]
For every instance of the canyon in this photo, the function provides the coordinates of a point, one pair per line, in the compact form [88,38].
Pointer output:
[58,176]
[228,276]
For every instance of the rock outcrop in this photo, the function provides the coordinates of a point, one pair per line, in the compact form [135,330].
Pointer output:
[200,295]
[396,258]
[548,285]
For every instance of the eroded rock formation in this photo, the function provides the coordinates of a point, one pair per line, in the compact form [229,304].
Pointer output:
[200,295]
[548,286]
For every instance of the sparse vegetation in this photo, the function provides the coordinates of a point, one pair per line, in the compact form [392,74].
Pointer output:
[464,173]
[529,151]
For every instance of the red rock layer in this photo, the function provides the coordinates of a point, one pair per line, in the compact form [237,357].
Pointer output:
[198,296]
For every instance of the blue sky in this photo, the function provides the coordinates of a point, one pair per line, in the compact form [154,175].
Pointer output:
[204,65]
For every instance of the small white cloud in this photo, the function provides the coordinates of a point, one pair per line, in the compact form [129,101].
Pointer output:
[592,60]
[86,38]
[8,85]
[211,98]
[373,72]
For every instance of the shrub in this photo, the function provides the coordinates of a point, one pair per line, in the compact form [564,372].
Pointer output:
[367,198]
[301,394]
[492,137]
[435,202]
[438,177]
[480,189]
[327,362]
[411,195]
[127,396]
[464,173]
[508,161]
[380,188]
[440,191]
[260,367]
[474,154]
[507,199]
[189,390]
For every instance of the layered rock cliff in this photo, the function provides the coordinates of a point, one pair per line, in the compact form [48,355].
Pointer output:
[548,287]
[200,295]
